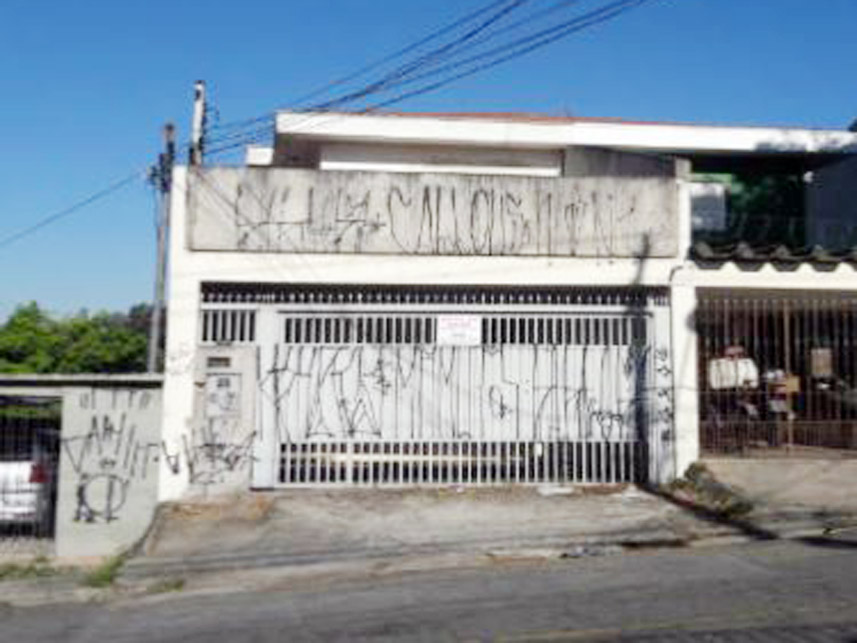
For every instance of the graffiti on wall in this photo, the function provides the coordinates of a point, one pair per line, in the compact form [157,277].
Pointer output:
[285,210]
[220,445]
[662,420]
[109,448]
[428,392]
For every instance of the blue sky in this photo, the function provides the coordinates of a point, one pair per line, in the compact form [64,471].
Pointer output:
[87,85]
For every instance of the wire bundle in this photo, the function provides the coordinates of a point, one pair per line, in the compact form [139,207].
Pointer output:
[498,32]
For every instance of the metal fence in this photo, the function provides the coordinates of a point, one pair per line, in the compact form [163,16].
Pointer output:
[778,372]
[29,456]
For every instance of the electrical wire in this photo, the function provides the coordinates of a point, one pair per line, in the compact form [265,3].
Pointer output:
[100,194]
[502,53]
[241,128]
[425,59]
[371,66]
[446,60]
[516,49]
[433,63]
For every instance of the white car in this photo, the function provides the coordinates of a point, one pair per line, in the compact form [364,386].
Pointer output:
[26,480]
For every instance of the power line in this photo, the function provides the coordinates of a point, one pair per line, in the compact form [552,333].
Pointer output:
[110,189]
[250,128]
[468,42]
[371,66]
[431,63]
[516,49]
[436,54]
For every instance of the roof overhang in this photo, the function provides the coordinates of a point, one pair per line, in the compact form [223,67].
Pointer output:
[703,141]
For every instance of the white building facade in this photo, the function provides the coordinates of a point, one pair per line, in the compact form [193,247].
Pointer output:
[451,299]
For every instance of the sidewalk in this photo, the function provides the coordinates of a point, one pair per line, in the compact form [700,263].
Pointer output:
[308,532]
[254,540]
[307,527]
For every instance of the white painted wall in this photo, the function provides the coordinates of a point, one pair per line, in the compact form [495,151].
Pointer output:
[188,270]
[440,159]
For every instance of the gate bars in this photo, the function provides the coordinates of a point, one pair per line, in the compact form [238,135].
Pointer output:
[777,372]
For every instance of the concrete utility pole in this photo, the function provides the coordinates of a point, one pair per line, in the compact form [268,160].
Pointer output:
[161,176]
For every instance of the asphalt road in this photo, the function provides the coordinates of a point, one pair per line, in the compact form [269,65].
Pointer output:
[764,591]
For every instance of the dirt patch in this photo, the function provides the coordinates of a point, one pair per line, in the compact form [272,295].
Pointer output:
[252,507]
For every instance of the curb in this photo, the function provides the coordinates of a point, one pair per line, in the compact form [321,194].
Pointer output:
[597,544]
[137,577]
[30,593]
[155,568]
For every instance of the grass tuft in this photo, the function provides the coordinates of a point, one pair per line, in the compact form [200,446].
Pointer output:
[105,574]
[38,568]
[167,585]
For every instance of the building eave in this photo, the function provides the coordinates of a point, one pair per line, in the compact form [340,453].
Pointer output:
[552,133]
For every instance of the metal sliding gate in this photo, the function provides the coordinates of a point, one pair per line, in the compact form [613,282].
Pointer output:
[392,387]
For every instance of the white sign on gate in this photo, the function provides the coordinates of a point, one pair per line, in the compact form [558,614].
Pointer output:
[459,330]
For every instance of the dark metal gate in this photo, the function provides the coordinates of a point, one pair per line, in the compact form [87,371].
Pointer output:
[778,372]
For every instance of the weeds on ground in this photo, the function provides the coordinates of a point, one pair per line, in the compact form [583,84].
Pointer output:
[37,568]
[699,487]
[105,574]
[167,585]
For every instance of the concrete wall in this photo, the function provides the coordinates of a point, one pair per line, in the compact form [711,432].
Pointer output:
[832,205]
[630,214]
[110,451]
[597,162]
[108,470]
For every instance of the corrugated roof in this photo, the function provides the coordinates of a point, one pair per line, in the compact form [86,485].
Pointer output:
[781,257]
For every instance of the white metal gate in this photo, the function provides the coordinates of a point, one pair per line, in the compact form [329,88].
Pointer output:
[459,389]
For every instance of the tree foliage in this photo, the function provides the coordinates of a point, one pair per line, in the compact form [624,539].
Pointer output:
[768,209]
[763,210]
[32,341]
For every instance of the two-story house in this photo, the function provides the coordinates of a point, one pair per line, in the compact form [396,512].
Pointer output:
[398,299]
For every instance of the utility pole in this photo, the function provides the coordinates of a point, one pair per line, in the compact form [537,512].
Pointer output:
[161,177]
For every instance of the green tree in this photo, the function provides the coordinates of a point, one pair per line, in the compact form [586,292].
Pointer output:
[763,210]
[31,341]
[768,209]
[100,344]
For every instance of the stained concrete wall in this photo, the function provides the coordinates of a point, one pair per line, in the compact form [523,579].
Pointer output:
[630,214]
[598,162]
[110,451]
[108,470]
